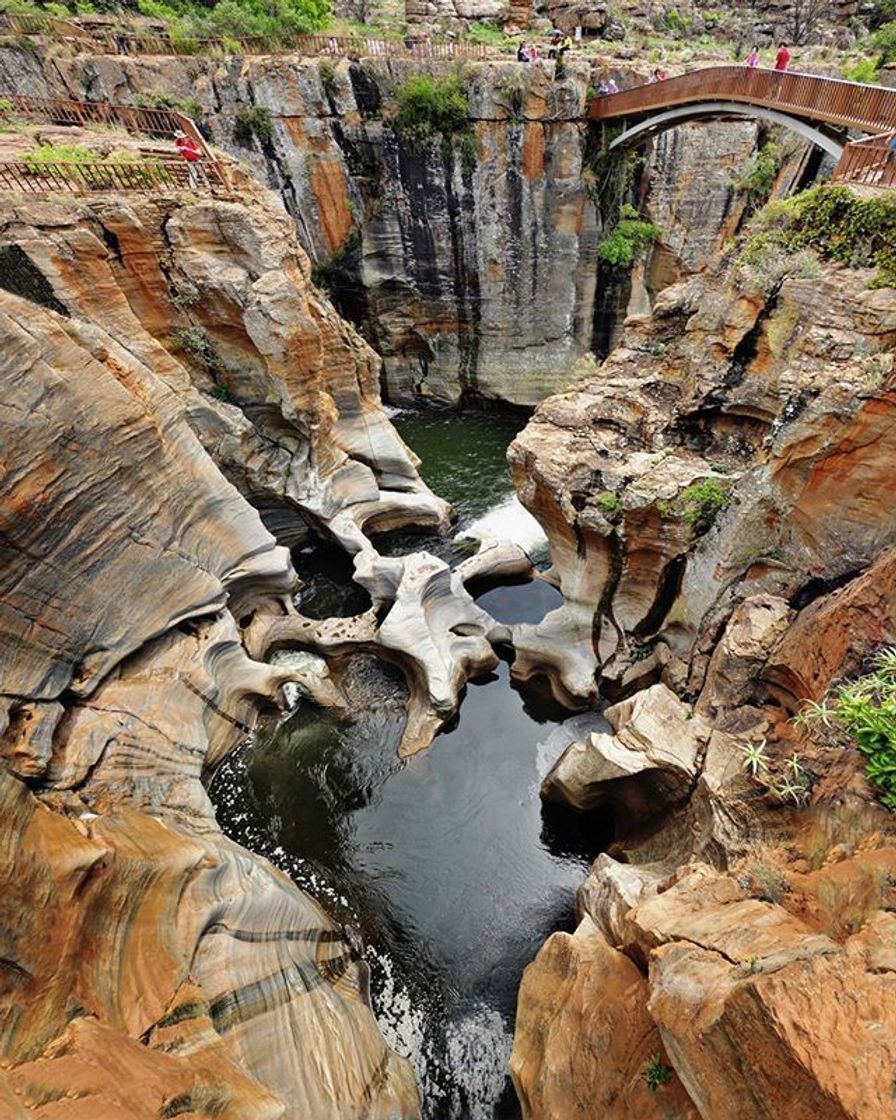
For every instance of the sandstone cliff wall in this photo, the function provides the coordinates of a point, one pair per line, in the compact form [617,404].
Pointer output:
[470,266]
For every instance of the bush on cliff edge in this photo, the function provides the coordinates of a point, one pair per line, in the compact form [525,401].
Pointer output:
[835,223]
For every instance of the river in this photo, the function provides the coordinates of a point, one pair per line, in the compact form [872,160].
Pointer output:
[445,868]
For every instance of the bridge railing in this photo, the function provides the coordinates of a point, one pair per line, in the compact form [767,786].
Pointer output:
[145,175]
[870,162]
[830,100]
[139,41]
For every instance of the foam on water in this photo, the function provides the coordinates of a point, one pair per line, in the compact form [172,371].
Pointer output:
[507,521]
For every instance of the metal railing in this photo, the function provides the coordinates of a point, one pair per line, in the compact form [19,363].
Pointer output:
[152,172]
[58,110]
[830,100]
[870,162]
[131,40]
[145,175]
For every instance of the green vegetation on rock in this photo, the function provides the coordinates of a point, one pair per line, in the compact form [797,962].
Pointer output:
[630,236]
[832,222]
[429,106]
[865,708]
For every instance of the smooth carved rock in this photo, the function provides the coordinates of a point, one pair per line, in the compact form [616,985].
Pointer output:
[727,449]
[584,1037]
[129,921]
[647,766]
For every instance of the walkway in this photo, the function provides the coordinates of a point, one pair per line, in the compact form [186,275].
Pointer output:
[818,108]
[151,171]
[133,40]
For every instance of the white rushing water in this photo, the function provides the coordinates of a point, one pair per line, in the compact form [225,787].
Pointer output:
[507,521]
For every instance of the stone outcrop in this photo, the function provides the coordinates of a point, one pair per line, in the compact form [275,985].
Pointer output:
[713,499]
[731,447]
[643,769]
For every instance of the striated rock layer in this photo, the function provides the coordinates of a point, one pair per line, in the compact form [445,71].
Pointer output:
[170,348]
[468,261]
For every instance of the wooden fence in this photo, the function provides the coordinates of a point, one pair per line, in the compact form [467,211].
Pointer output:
[870,162]
[131,40]
[58,110]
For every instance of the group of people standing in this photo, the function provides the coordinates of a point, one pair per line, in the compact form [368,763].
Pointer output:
[560,43]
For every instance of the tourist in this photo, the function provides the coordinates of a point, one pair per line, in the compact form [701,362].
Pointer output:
[891,150]
[607,87]
[753,58]
[556,36]
[612,87]
[522,53]
[191,152]
[564,46]
[782,58]
[659,75]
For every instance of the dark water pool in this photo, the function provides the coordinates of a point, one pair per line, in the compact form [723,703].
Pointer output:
[445,866]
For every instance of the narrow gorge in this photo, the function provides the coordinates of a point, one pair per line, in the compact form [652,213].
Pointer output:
[447,665]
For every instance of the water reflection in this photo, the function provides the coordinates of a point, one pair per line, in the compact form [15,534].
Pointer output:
[446,865]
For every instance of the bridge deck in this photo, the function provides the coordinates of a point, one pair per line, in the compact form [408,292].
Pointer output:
[825,100]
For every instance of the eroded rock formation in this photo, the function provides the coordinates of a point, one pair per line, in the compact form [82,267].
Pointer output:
[167,360]
[716,502]
[468,261]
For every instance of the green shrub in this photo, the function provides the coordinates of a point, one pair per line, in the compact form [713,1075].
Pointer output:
[701,501]
[866,709]
[759,175]
[628,238]
[884,41]
[833,222]
[159,100]
[863,71]
[489,35]
[253,121]
[656,1073]
[429,105]
[195,341]
[609,502]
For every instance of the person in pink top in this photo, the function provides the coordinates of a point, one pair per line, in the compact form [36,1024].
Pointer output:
[782,58]
[753,58]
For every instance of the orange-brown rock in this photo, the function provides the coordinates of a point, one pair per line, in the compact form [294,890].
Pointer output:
[135,937]
[584,1039]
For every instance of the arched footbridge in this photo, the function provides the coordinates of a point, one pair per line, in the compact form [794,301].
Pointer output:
[823,110]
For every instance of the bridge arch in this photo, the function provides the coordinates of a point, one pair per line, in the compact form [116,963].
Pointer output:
[662,122]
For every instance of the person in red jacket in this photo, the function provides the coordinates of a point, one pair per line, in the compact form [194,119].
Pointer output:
[782,58]
[190,150]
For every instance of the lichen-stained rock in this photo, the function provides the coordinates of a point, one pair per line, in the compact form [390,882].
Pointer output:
[584,1039]
[648,765]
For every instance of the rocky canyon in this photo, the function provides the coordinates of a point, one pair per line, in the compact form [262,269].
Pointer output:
[201,398]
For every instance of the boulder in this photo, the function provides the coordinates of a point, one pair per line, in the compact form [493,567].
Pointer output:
[649,765]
